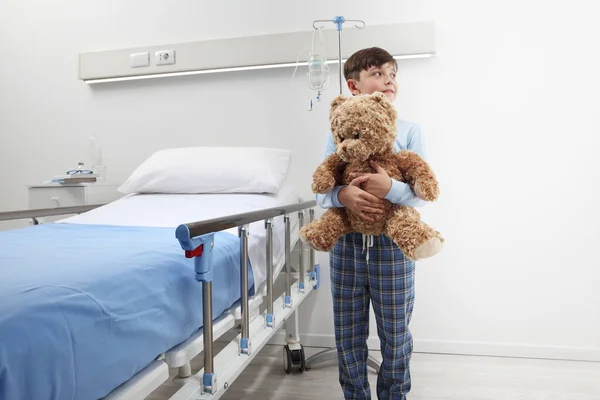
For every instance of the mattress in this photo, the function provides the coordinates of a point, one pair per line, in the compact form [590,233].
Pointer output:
[88,302]
[85,307]
[171,210]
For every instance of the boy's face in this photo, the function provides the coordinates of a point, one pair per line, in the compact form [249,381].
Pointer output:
[376,79]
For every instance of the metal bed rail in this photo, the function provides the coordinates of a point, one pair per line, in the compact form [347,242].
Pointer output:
[197,240]
[45,212]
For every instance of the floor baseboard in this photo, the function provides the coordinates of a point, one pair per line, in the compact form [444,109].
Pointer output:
[467,348]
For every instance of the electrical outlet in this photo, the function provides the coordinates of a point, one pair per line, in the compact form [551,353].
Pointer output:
[165,57]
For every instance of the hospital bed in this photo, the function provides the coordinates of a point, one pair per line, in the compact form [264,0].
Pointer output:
[102,303]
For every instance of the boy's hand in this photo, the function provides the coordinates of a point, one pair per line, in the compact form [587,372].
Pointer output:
[378,184]
[359,201]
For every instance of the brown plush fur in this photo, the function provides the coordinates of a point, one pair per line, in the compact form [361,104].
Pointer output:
[364,129]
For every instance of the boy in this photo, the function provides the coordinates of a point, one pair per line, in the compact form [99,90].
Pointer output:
[388,278]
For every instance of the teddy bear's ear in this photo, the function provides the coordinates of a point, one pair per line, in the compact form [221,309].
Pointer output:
[380,98]
[335,103]
[385,103]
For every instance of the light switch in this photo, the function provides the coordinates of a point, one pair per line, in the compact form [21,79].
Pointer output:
[139,60]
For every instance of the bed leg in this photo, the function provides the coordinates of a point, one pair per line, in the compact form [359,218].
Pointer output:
[301,254]
[244,346]
[200,249]
[209,380]
[288,267]
[270,317]
[183,374]
[293,350]
[292,334]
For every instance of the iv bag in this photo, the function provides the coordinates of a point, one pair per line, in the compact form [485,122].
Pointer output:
[318,73]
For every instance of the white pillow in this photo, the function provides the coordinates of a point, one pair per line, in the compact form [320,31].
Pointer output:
[191,170]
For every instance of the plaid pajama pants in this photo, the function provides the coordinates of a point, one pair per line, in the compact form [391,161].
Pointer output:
[387,279]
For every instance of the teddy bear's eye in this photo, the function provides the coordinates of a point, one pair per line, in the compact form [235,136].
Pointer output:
[356,135]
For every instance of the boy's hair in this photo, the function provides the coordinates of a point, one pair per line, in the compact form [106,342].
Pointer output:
[365,59]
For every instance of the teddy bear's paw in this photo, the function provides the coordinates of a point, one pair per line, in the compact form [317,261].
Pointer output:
[313,241]
[425,192]
[428,249]
[314,246]
[324,185]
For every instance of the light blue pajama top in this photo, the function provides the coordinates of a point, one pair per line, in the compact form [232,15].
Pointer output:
[409,137]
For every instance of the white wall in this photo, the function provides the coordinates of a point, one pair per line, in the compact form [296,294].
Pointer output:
[506,106]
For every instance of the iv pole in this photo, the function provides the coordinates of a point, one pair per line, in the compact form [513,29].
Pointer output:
[339,21]
[331,353]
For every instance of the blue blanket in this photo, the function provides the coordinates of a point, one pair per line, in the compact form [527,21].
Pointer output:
[83,308]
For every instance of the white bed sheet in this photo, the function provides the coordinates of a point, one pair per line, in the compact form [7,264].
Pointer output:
[171,210]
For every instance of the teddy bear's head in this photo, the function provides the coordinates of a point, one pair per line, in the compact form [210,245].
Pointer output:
[362,125]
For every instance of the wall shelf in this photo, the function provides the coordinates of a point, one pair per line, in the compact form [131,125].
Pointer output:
[405,40]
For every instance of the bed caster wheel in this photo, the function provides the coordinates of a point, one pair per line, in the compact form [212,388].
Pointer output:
[287,359]
[294,358]
[302,360]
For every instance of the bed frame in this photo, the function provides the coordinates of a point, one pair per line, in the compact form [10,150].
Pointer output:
[220,371]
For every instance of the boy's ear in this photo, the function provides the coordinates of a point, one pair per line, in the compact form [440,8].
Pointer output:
[352,86]
[340,99]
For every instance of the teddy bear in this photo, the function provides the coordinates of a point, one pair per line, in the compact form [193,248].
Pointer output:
[364,131]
